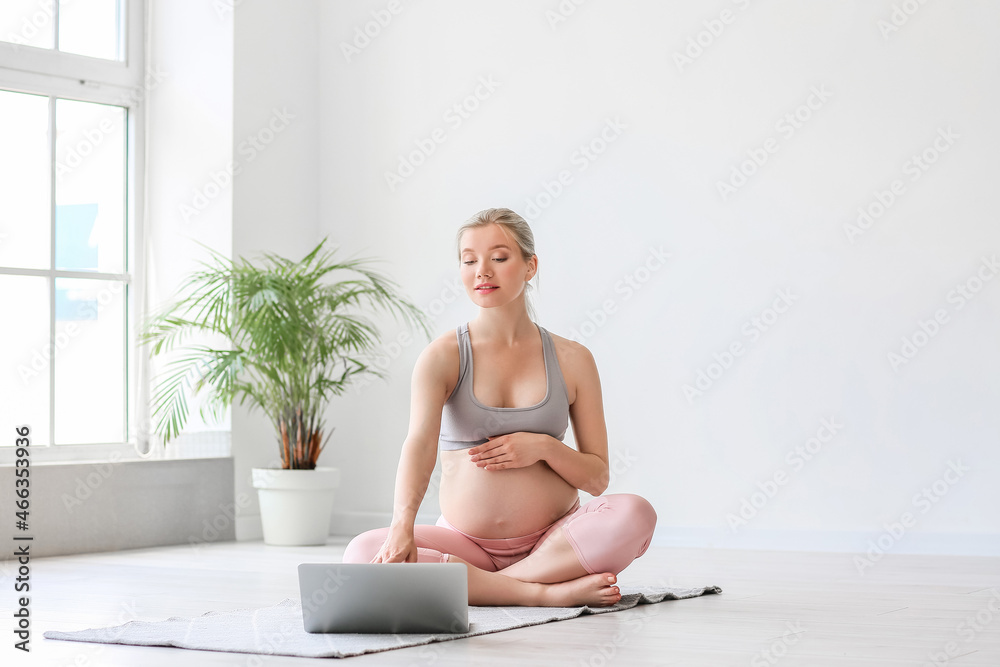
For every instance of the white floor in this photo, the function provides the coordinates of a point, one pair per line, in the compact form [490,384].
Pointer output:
[777,608]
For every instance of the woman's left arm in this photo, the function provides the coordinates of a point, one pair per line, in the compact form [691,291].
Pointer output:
[586,469]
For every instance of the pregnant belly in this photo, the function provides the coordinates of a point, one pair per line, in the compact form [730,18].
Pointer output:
[501,503]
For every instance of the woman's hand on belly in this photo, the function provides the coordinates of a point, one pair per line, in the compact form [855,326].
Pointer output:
[512,450]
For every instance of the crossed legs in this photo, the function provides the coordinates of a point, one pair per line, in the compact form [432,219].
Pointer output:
[576,561]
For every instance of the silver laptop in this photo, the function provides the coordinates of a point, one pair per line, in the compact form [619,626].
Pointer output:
[384,597]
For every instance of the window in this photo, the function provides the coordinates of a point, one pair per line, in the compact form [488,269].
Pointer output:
[72,84]
[84,27]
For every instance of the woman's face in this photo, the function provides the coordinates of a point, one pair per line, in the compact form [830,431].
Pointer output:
[489,257]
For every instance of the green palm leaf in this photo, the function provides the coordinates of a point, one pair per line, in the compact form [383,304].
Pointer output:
[297,337]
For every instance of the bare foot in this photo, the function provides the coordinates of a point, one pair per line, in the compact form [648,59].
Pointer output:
[595,590]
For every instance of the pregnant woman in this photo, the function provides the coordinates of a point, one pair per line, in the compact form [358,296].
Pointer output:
[496,396]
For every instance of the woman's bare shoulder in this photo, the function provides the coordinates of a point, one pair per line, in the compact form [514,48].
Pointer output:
[438,364]
[571,349]
[442,349]
[575,361]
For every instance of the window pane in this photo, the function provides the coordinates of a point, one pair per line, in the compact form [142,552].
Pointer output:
[89,28]
[28,22]
[90,364]
[24,180]
[90,186]
[24,369]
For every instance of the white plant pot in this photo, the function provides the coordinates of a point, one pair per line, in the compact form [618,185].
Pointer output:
[295,505]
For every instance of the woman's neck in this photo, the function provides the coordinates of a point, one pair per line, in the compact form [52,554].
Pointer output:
[494,326]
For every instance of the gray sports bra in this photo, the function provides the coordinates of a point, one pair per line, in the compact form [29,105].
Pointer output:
[465,422]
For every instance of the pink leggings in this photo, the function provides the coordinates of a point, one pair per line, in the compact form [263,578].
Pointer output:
[607,534]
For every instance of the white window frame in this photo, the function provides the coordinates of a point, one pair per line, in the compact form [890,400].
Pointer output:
[125,83]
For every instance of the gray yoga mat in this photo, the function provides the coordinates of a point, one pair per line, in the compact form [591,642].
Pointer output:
[277,630]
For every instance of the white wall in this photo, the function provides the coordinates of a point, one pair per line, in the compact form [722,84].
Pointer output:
[276,126]
[189,114]
[233,163]
[884,99]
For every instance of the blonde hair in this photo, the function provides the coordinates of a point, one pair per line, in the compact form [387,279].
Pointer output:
[516,228]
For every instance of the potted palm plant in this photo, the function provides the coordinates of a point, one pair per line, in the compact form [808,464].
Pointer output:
[292,338]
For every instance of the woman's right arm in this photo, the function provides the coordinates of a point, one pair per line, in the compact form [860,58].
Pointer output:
[428,393]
